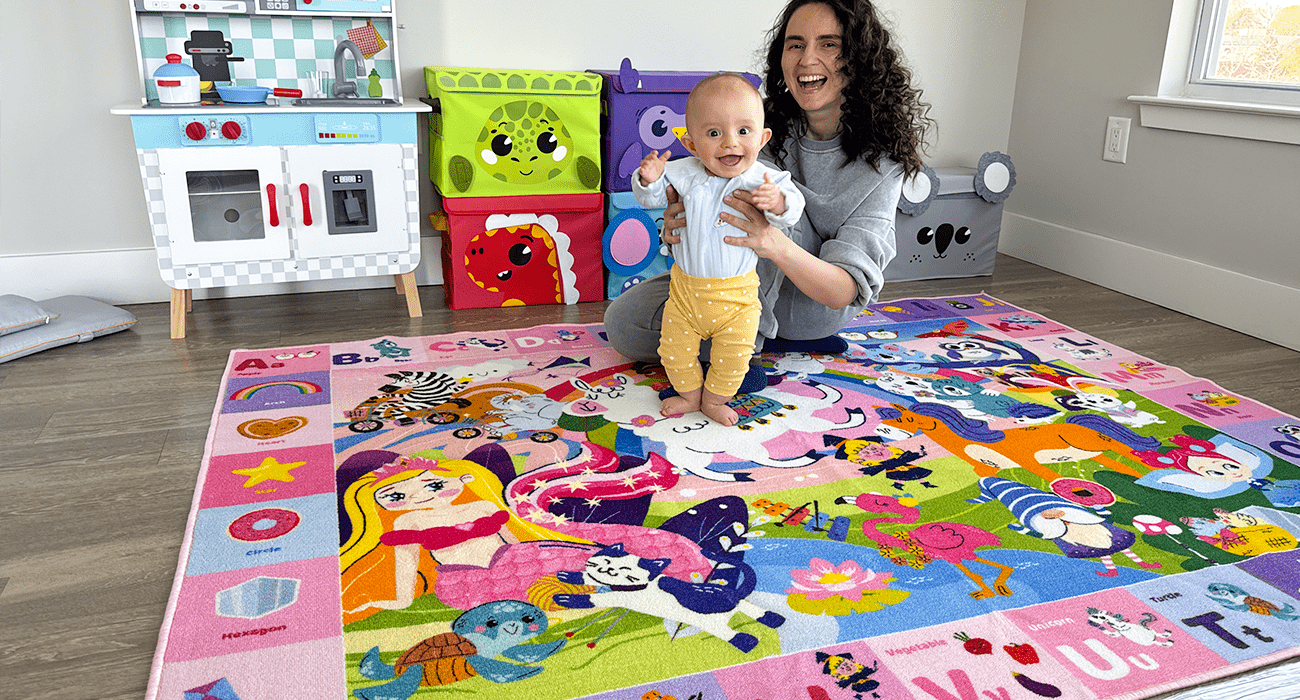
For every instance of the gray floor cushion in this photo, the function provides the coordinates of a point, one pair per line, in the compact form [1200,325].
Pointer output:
[70,319]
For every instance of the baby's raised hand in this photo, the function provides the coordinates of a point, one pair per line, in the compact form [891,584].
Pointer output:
[768,197]
[652,166]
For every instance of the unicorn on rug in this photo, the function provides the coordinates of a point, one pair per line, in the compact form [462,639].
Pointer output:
[1031,447]
[692,440]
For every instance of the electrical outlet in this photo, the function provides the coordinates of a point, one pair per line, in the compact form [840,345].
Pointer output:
[1115,149]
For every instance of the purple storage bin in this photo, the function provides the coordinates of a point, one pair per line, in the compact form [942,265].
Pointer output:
[642,110]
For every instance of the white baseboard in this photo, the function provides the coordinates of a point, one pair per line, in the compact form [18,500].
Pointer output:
[1260,308]
[131,276]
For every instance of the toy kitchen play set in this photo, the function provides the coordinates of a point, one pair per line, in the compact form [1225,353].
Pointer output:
[274,143]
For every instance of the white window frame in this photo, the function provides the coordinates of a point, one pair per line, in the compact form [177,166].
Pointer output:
[1187,102]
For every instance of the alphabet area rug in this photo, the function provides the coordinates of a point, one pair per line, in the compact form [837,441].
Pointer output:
[972,501]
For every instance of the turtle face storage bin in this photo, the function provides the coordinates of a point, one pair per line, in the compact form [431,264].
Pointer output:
[644,111]
[500,133]
[949,219]
[515,251]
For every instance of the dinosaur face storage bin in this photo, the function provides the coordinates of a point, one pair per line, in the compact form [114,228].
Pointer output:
[949,219]
[506,132]
[513,251]
[631,246]
[645,111]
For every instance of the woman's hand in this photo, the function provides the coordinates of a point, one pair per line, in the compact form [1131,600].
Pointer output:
[762,237]
[823,282]
[674,218]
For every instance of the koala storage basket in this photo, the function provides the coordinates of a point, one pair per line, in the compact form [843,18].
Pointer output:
[497,133]
[526,250]
[949,220]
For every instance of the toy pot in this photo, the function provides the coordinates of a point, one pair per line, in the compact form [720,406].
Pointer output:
[177,83]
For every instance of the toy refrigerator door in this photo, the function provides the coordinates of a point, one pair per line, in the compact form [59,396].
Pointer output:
[356,197]
[224,204]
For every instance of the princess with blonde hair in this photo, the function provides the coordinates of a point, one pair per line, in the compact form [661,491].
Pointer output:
[423,526]
[416,515]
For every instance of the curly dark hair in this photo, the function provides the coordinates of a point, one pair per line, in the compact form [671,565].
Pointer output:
[883,115]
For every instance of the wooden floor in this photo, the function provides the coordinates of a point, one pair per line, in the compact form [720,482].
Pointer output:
[100,446]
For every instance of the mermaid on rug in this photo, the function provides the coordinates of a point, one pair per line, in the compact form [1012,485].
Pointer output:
[421,526]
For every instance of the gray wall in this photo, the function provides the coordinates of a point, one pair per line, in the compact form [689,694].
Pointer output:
[1203,224]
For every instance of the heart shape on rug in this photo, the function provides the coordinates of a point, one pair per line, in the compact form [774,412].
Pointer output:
[266,428]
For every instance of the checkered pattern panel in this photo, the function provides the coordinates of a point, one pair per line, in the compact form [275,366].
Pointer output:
[296,269]
[277,51]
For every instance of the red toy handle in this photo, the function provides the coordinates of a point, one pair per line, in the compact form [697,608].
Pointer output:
[306,205]
[270,202]
[286,92]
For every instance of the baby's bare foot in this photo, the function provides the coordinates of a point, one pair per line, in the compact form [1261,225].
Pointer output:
[721,413]
[678,405]
[715,406]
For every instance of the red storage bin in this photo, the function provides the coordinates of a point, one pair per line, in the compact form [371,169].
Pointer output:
[523,250]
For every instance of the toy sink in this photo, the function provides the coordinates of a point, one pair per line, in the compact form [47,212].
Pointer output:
[345,101]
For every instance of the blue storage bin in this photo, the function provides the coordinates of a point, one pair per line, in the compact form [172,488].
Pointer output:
[631,248]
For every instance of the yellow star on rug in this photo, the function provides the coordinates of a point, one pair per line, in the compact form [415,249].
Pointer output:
[268,470]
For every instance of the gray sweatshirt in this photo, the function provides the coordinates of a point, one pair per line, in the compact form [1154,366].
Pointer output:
[848,221]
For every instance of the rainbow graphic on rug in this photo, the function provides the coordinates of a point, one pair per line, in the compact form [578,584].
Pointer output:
[298,386]
[972,501]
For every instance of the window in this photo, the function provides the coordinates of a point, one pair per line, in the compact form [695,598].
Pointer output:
[1231,68]
[1247,50]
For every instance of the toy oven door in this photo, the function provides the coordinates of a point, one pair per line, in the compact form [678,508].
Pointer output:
[224,204]
[351,200]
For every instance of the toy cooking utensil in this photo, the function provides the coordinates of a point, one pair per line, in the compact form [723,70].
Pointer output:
[177,83]
[253,94]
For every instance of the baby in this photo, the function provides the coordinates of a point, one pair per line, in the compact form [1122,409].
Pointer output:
[713,288]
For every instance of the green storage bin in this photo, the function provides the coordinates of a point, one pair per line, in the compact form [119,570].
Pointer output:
[503,133]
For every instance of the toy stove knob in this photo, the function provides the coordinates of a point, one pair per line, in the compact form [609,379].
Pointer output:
[196,131]
[231,130]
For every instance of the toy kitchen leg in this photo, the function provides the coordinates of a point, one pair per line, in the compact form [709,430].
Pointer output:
[182,303]
[406,287]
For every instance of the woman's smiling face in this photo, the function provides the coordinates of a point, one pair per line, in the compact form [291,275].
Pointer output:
[810,61]
[424,490]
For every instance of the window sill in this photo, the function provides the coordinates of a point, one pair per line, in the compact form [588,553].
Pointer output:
[1242,120]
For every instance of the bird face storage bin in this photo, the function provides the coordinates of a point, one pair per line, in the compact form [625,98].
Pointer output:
[645,111]
[502,133]
[631,246]
[514,251]
[949,220]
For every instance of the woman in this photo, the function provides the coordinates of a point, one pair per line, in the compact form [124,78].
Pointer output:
[849,127]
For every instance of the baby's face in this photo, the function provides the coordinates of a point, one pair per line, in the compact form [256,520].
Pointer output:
[724,127]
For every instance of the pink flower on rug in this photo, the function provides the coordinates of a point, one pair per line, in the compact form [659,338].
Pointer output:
[643,421]
[821,580]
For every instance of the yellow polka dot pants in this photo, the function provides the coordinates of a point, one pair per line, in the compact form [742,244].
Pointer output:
[725,309]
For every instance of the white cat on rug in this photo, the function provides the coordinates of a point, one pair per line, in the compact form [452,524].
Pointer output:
[625,580]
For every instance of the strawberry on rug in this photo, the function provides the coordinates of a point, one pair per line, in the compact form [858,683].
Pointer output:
[972,500]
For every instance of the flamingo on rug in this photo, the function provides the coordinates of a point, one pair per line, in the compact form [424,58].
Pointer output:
[954,543]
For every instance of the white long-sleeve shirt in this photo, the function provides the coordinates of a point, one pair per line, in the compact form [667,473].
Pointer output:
[702,252]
